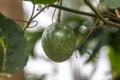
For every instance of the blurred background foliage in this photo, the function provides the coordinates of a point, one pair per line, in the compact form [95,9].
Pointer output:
[101,35]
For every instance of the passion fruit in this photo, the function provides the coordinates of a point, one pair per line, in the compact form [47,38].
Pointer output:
[58,41]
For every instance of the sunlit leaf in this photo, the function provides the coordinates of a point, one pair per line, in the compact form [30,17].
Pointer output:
[114,55]
[1,58]
[114,59]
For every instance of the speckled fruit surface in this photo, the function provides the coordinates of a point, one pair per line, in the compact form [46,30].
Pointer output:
[58,41]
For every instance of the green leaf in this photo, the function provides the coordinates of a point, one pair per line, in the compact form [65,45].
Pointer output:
[13,53]
[1,57]
[114,59]
[42,1]
[114,54]
[111,3]
[2,43]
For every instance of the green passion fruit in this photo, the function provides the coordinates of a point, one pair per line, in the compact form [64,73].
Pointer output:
[58,41]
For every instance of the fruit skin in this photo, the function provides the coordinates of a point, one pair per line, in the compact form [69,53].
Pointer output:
[58,42]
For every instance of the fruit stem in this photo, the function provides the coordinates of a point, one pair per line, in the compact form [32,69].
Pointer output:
[59,13]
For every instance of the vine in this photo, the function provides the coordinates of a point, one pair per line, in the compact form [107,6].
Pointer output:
[95,11]
[30,20]
[97,14]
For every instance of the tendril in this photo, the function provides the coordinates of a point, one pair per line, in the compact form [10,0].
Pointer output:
[39,8]
[36,23]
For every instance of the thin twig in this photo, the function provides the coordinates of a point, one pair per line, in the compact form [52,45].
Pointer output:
[40,11]
[95,11]
[30,20]
[72,10]
[111,13]
[88,14]
[66,9]
[113,24]
[54,11]
[89,33]
[80,12]
[100,16]
[53,14]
